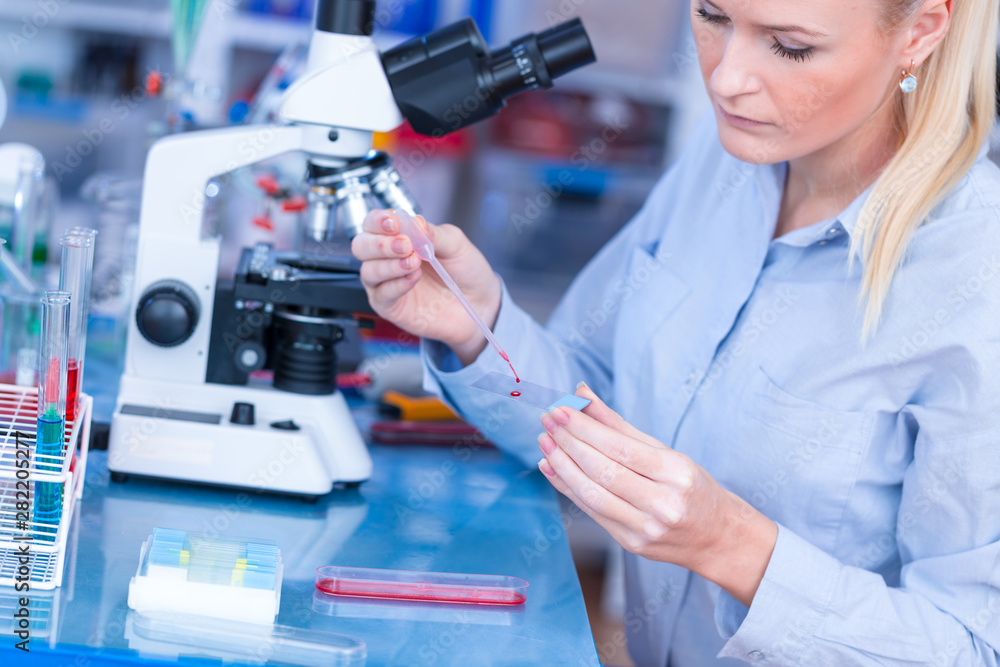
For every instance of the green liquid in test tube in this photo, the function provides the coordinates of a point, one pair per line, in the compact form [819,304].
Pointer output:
[52,368]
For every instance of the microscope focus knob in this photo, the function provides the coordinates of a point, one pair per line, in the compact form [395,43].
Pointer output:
[167,313]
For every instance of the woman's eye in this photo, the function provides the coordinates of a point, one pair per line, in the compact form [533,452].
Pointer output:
[717,19]
[798,55]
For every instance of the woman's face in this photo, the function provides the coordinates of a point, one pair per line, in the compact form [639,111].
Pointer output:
[790,77]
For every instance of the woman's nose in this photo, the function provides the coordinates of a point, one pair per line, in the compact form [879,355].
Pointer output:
[735,73]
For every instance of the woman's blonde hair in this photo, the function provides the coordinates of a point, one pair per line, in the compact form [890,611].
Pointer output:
[942,124]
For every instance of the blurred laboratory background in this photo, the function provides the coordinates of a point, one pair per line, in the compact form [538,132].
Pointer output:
[92,84]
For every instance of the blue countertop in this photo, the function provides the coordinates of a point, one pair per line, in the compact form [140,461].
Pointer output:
[429,509]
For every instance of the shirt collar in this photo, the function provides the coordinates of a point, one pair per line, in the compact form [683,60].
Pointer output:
[850,216]
[771,184]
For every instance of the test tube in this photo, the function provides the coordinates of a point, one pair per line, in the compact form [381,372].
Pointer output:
[51,409]
[75,276]
[31,175]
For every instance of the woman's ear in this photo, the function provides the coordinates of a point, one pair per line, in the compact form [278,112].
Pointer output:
[927,32]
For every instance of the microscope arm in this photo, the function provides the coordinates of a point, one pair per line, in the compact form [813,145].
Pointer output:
[179,167]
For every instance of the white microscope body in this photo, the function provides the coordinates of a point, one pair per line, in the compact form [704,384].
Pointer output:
[178,415]
[168,421]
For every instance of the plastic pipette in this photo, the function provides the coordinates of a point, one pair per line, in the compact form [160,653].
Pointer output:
[425,251]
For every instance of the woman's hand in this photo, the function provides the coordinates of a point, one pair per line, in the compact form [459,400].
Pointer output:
[655,502]
[413,297]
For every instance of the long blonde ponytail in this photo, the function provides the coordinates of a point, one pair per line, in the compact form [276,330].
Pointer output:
[943,124]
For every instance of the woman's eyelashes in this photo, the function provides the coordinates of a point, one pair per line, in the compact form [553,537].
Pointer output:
[717,19]
[796,55]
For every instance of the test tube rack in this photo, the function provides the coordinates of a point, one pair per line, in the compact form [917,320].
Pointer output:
[18,414]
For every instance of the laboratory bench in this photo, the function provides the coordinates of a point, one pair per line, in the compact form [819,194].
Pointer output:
[432,509]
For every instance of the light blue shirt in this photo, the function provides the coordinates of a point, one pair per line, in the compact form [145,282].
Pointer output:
[880,462]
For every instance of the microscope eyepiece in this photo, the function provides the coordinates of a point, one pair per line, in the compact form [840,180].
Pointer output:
[448,79]
[566,47]
[346,17]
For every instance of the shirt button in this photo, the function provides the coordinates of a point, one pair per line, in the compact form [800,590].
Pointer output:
[832,230]
[755,655]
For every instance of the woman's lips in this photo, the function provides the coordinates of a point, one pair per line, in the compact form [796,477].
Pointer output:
[740,121]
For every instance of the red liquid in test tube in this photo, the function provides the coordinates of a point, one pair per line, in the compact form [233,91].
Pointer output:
[422,591]
[72,389]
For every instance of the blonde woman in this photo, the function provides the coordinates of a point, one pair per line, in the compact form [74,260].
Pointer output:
[799,336]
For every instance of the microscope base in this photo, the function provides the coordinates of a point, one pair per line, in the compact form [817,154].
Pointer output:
[182,432]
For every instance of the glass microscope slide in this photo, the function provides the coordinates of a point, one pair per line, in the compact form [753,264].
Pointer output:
[421,586]
[528,393]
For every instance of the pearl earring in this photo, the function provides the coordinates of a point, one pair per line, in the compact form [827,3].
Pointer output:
[908,82]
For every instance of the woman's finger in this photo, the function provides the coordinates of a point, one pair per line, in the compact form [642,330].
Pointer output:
[658,463]
[602,413]
[449,241]
[619,532]
[377,271]
[391,290]
[380,221]
[593,496]
[367,246]
[632,487]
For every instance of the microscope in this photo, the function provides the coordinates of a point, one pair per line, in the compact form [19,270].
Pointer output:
[191,405]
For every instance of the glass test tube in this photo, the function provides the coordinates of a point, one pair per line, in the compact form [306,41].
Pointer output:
[75,276]
[31,174]
[2,255]
[51,409]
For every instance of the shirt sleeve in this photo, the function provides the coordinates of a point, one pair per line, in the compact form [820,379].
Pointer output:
[812,609]
[578,343]
[546,356]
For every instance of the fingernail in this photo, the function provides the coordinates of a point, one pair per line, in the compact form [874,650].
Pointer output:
[408,262]
[547,444]
[546,468]
[388,224]
[561,415]
[399,246]
[548,422]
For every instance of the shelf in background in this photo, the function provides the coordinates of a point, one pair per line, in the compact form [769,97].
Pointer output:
[242,29]
[275,33]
